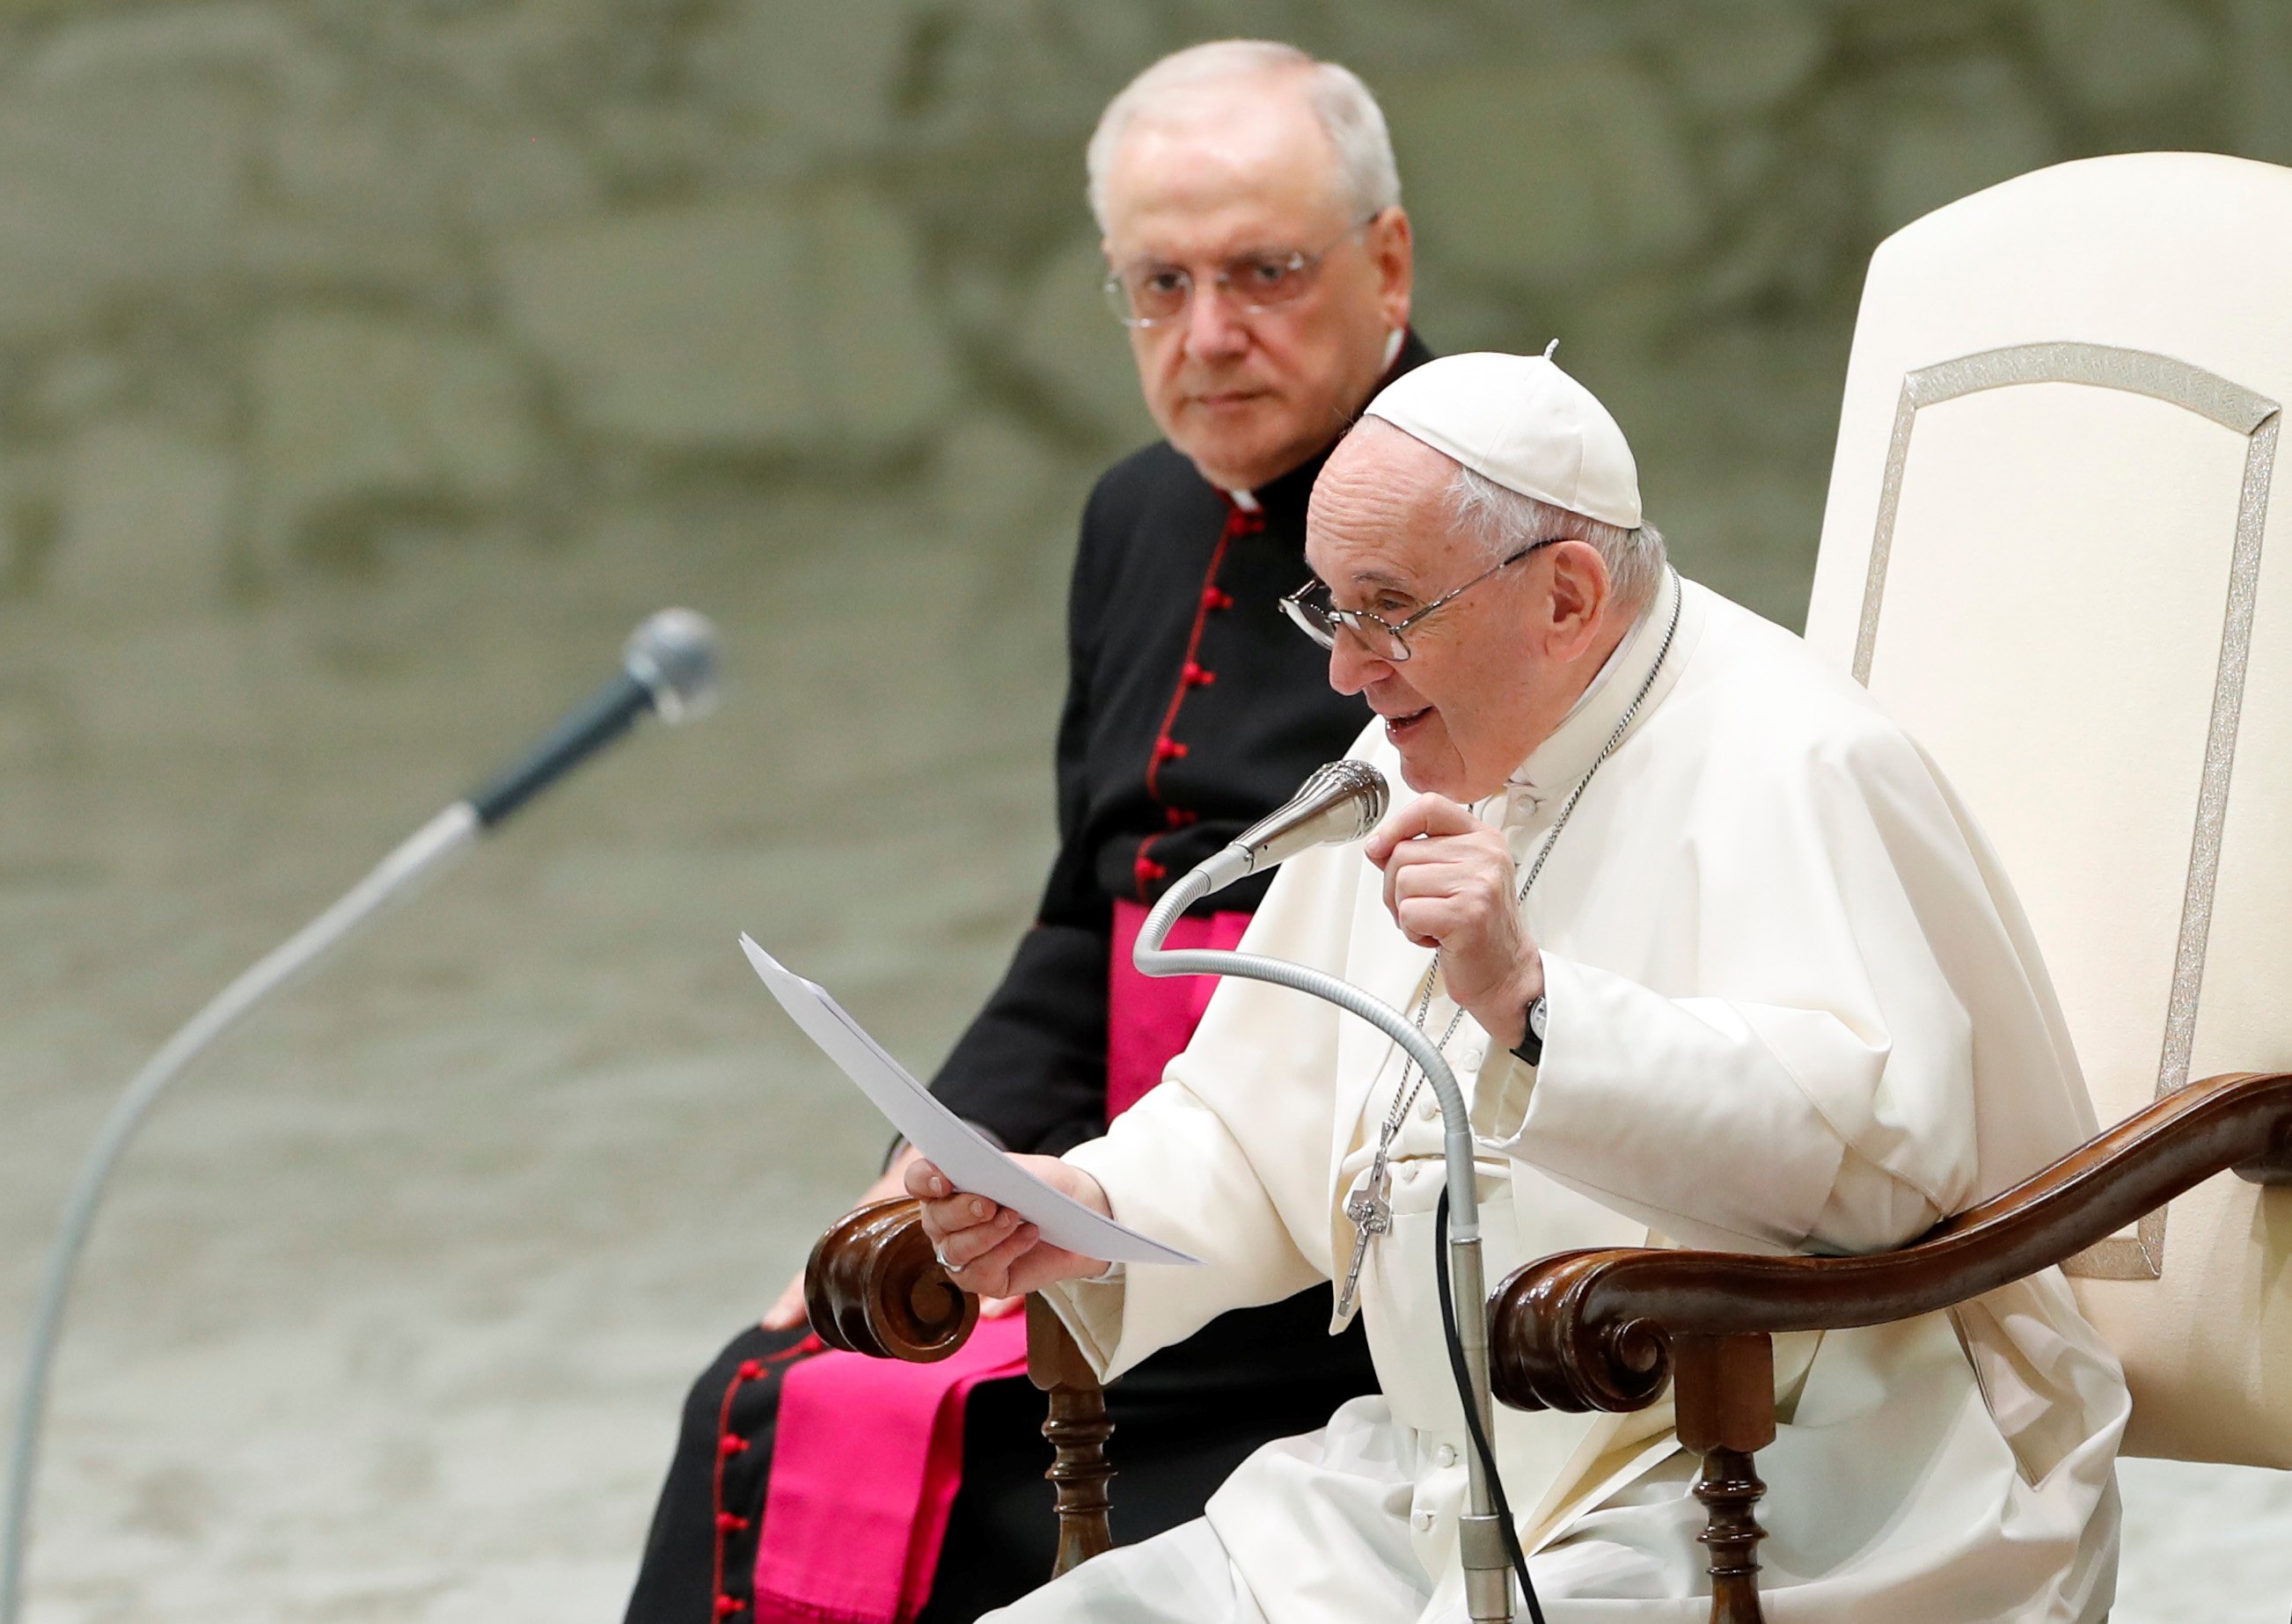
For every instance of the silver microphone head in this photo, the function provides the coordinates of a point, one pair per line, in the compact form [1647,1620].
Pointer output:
[1341,800]
[1353,786]
[673,654]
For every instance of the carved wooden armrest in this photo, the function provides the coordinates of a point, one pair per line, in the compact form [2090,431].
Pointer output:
[1593,1330]
[1609,1329]
[873,1287]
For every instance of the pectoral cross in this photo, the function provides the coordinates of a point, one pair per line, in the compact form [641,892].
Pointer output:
[1372,1215]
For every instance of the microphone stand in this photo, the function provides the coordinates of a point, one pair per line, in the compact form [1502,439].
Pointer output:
[668,668]
[1488,1576]
[417,858]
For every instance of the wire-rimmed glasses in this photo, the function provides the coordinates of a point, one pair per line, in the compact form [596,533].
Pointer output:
[1154,293]
[1387,640]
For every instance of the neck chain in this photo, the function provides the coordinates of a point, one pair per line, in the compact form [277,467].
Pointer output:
[1368,1207]
[1406,1091]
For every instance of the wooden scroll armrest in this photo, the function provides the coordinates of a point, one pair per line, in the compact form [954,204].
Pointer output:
[1610,1329]
[873,1287]
[1598,1329]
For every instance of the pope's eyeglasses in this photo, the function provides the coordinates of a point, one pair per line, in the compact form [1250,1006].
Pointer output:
[1153,294]
[1386,640]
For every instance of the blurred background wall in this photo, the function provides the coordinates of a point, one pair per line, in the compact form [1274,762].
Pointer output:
[368,367]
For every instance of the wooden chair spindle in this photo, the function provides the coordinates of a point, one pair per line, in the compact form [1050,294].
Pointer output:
[1078,1430]
[1723,1391]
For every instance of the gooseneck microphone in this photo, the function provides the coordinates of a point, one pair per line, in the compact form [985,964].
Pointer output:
[668,670]
[1341,800]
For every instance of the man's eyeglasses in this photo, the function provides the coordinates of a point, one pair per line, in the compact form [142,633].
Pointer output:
[1151,294]
[1387,640]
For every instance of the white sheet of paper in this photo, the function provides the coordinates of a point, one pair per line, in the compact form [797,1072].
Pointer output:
[945,1139]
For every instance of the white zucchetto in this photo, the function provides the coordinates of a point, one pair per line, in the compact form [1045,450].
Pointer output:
[1521,422]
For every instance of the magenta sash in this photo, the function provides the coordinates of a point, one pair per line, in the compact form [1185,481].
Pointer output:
[867,1453]
[1149,1019]
[865,1465]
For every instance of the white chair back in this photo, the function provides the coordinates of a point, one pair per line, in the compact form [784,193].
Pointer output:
[2055,548]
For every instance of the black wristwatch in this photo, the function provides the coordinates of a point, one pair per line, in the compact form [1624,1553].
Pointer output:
[1530,1047]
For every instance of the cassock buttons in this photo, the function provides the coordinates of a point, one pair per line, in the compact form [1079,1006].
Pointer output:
[1147,869]
[1168,749]
[1445,1455]
[1423,1521]
[1194,676]
[1213,598]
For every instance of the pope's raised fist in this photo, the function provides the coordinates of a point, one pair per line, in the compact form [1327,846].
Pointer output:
[1448,884]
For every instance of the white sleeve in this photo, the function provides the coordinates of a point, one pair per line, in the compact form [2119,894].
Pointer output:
[1807,1081]
[1681,1113]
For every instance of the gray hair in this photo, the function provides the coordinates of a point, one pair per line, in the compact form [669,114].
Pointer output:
[1369,180]
[1508,521]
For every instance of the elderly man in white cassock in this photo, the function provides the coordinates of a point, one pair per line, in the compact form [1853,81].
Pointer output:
[1723,964]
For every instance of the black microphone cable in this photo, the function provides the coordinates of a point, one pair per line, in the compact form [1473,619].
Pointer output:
[1471,1412]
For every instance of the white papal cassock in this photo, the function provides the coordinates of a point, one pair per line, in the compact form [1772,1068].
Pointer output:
[1794,1006]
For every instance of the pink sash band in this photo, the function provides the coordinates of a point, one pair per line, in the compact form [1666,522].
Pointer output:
[868,1457]
[1151,1019]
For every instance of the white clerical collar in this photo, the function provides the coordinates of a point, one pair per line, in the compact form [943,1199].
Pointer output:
[1552,768]
[1245,500]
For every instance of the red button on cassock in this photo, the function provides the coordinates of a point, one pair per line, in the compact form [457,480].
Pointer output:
[731,1445]
[1147,868]
[1214,598]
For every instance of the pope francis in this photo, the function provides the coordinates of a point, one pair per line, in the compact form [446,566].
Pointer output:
[1724,963]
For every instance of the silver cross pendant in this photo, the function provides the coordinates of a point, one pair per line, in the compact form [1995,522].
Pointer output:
[1372,1215]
